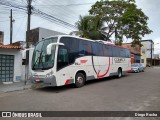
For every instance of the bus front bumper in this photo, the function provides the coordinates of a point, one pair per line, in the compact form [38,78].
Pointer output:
[43,82]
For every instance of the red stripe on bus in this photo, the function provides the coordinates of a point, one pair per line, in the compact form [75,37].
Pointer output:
[83,61]
[67,81]
[103,75]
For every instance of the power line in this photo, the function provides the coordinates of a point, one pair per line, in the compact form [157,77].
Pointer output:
[16,1]
[23,2]
[9,4]
[66,4]
[9,20]
[68,12]
[38,12]
[45,15]
[50,20]
[20,26]
[61,13]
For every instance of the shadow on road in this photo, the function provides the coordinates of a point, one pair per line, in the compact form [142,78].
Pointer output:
[55,89]
[90,82]
[72,86]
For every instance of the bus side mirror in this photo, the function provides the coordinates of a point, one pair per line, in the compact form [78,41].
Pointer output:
[49,47]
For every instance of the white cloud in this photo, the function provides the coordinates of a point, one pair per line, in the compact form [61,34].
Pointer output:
[152,10]
[69,14]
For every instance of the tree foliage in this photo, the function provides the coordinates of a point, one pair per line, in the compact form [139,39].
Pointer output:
[91,27]
[122,18]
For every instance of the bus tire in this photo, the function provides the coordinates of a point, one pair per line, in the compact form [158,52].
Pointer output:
[79,80]
[119,73]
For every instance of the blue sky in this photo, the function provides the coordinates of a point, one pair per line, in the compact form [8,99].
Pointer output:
[69,14]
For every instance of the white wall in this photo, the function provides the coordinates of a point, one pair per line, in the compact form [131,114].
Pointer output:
[44,33]
[17,61]
[148,45]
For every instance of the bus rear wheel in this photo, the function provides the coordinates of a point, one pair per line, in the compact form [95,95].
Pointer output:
[119,72]
[79,80]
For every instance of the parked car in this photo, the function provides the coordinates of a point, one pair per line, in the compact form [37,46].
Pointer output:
[137,67]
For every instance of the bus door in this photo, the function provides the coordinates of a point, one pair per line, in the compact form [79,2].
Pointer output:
[63,75]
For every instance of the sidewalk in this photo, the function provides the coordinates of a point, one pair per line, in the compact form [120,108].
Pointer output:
[15,86]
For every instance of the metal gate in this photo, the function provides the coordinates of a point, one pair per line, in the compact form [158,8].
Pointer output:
[6,68]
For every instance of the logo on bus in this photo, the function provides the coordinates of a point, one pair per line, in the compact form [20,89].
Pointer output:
[119,60]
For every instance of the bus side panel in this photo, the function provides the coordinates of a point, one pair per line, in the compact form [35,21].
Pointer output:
[120,62]
[63,77]
[83,64]
[67,74]
[104,67]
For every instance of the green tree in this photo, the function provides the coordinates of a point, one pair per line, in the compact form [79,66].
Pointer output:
[91,27]
[123,19]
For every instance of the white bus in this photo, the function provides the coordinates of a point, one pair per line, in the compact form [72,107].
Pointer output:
[63,60]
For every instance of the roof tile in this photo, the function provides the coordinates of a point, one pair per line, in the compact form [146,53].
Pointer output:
[10,47]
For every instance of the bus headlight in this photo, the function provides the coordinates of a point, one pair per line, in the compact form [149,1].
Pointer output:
[49,74]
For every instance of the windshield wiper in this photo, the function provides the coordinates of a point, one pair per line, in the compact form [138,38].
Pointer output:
[38,59]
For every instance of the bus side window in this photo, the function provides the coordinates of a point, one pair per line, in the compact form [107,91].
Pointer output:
[72,46]
[84,48]
[97,49]
[89,48]
[105,50]
[122,52]
[100,49]
[108,51]
[116,51]
[94,49]
[128,55]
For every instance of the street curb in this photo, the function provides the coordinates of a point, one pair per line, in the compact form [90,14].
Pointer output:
[24,87]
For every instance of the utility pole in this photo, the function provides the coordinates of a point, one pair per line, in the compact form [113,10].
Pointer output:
[11,27]
[151,52]
[29,7]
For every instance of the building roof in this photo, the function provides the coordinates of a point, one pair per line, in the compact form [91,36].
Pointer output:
[10,47]
[134,50]
[147,41]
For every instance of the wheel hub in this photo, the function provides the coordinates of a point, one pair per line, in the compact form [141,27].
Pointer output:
[80,80]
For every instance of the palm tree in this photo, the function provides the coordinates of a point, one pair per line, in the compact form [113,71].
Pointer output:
[91,27]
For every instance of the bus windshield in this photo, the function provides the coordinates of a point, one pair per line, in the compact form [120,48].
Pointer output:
[40,59]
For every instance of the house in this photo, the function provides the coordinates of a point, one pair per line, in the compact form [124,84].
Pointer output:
[147,52]
[39,34]
[135,52]
[156,59]
[10,63]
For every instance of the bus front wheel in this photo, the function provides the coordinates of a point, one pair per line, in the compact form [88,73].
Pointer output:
[79,80]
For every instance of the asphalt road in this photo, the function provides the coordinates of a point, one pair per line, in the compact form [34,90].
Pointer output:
[133,92]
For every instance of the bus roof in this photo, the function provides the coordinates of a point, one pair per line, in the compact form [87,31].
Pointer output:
[100,41]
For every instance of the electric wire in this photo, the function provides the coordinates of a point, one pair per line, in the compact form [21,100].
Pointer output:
[20,26]
[48,15]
